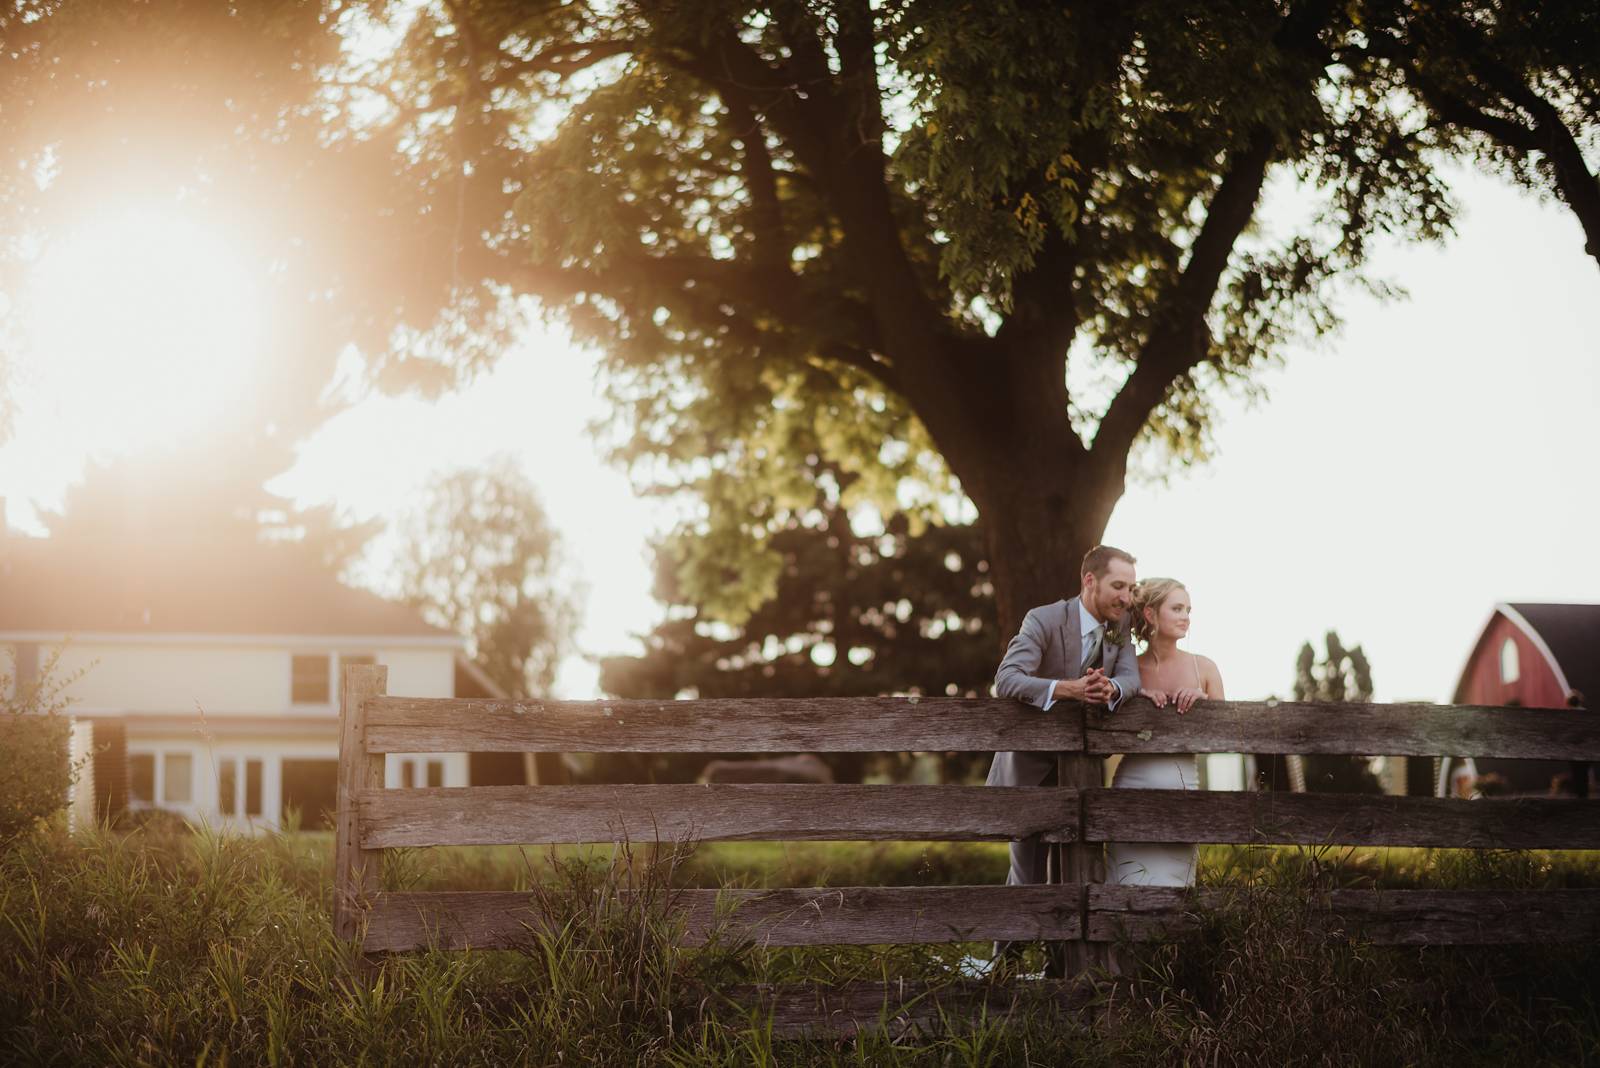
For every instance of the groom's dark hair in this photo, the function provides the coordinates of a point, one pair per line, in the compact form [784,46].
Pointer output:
[1098,560]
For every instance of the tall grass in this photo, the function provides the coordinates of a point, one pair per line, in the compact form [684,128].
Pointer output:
[163,947]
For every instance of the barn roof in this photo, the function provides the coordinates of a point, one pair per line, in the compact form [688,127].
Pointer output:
[103,587]
[1572,634]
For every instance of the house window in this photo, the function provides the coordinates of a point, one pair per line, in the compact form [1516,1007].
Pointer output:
[142,777]
[252,787]
[228,787]
[1510,667]
[309,679]
[177,786]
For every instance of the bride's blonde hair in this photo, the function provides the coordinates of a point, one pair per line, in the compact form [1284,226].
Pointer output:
[1151,593]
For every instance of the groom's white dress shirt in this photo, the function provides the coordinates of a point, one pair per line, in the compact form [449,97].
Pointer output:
[1090,628]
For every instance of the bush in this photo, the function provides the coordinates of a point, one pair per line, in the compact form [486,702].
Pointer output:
[34,752]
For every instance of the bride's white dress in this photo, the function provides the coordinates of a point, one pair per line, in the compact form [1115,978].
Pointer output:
[1153,863]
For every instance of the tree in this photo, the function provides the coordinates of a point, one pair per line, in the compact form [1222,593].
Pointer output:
[853,615]
[483,560]
[888,226]
[1515,84]
[1343,675]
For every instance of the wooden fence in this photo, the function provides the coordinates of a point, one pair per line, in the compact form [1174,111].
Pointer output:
[1078,815]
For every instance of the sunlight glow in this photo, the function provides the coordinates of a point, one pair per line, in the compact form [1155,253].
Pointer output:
[141,327]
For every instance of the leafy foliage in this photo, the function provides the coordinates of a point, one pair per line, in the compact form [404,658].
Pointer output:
[1514,85]
[33,748]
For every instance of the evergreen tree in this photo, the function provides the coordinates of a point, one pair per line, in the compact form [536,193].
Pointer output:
[907,610]
[1344,676]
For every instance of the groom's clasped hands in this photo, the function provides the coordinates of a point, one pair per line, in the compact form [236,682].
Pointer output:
[1093,688]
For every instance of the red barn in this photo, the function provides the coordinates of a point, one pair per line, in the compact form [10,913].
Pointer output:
[1535,656]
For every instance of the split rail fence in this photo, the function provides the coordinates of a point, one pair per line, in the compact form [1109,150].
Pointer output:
[1077,815]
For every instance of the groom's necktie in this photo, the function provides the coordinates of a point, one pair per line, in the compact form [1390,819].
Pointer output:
[1096,646]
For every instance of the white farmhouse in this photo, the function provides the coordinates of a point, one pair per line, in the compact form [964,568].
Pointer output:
[208,685]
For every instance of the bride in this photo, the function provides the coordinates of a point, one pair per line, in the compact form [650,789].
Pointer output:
[1168,676]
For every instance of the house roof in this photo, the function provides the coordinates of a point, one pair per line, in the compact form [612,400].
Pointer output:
[1572,634]
[102,587]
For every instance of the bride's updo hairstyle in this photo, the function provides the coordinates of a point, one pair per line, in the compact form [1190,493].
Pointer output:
[1150,593]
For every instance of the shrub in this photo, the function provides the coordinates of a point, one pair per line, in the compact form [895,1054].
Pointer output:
[33,750]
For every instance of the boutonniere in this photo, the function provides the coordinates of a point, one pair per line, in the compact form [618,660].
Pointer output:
[1115,636]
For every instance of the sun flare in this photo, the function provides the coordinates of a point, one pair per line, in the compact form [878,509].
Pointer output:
[142,327]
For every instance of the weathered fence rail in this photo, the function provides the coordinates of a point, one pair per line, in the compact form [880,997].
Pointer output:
[1078,815]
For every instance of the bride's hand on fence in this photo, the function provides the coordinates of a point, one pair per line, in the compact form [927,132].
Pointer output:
[1157,697]
[1185,698]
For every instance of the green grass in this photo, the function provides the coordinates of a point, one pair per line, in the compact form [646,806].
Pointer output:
[162,947]
[710,864]
[773,864]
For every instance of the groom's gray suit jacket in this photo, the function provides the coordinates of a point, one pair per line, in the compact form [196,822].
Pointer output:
[1049,647]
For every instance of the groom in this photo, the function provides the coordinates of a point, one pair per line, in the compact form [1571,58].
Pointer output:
[1062,653]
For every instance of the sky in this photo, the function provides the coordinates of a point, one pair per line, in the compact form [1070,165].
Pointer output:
[1435,457]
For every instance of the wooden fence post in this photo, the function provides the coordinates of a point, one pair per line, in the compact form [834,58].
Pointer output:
[356,871]
[1079,862]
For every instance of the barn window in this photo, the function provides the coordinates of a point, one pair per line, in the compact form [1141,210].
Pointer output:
[1510,666]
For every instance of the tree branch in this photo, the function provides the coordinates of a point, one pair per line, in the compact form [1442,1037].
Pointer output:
[565,59]
[798,27]
[1044,314]
[1548,133]
[1574,183]
[1453,108]
[825,138]
[1179,339]
[771,247]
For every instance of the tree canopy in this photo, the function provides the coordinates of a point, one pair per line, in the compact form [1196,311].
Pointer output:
[1007,251]
[990,247]
[1515,85]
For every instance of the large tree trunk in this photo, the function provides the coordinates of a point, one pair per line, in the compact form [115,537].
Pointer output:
[1043,499]
[1039,519]
[1000,420]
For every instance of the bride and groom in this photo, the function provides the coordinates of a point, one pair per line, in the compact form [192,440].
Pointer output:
[1082,649]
